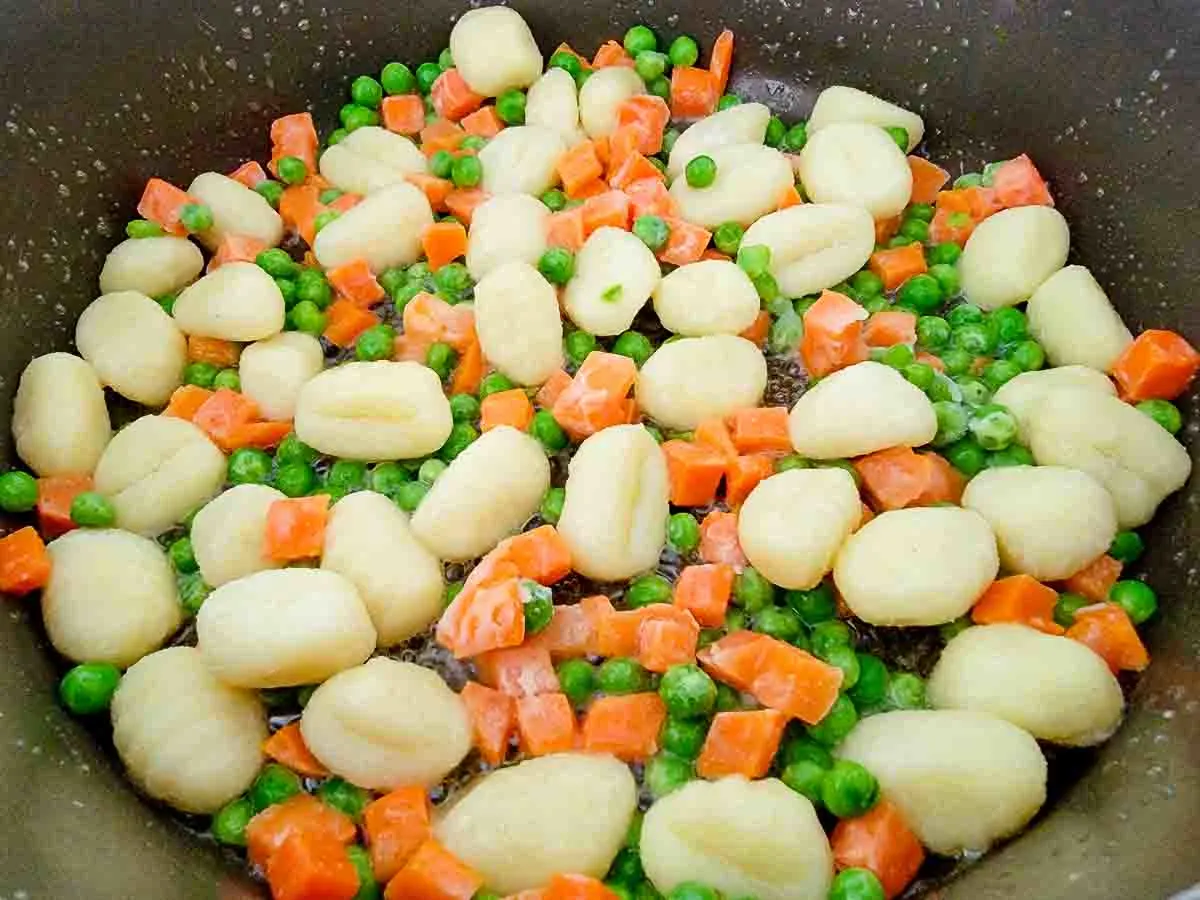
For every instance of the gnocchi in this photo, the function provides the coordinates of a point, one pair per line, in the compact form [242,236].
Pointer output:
[368,540]
[745,123]
[506,229]
[494,50]
[1073,319]
[237,302]
[133,345]
[814,245]
[693,379]
[156,470]
[553,102]
[274,371]
[742,838]
[793,523]
[522,160]
[521,825]
[750,180]
[602,94]
[1011,254]
[1055,688]
[488,492]
[614,517]
[95,611]
[283,627]
[185,738]
[859,165]
[60,420]
[518,321]
[712,296]
[371,158]
[922,566]
[858,410]
[1023,393]
[963,780]
[152,266]
[374,410]
[839,103]
[354,725]
[236,210]
[384,229]
[1049,521]
[615,273]
[228,534]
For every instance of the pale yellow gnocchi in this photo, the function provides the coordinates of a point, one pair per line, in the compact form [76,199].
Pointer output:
[237,302]
[693,379]
[228,534]
[840,103]
[522,160]
[853,164]
[750,180]
[60,421]
[712,296]
[745,123]
[236,210]
[602,94]
[494,50]
[134,346]
[371,158]
[1073,319]
[518,321]
[506,229]
[814,245]
[553,102]
[274,371]
[384,229]
[1011,254]
[153,266]
[615,273]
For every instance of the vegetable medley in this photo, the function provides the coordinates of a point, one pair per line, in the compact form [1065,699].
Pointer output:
[445,503]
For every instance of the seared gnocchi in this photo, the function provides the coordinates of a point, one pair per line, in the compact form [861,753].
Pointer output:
[693,379]
[60,421]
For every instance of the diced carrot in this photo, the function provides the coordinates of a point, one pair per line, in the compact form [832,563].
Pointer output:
[354,281]
[345,202]
[743,475]
[552,389]
[945,484]
[24,562]
[927,179]
[565,229]
[896,477]
[1017,182]
[758,332]
[694,92]
[263,435]
[618,633]
[735,659]
[930,360]
[579,166]
[611,54]
[795,682]
[286,746]
[235,248]
[704,591]
[222,414]
[493,716]
[540,555]
[345,321]
[301,814]
[434,873]
[886,229]
[741,743]
[451,96]
[469,372]
[719,540]
[578,887]
[403,114]
[626,726]
[788,198]
[443,242]
[441,135]
[650,197]
[294,135]
[55,494]
[667,637]
[532,894]
[220,353]
[685,243]
[395,826]
[890,327]
[593,401]
[483,618]
[897,265]
[867,514]
[610,209]
[721,60]
[545,724]
[299,206]
[296,528]
[879,840]
[311,867]
[462,203]
[570,633]
[483,122]
[694,471]
[510,407]
[1158,365]
[433,318]
[761,430]
[1018,598]
[959,211]
[1096,579]
[632,168]
[833,339]
[564,47]
[161,203]
[185,400]
[1108,631]
[518,671]
[250,174]
[646,117]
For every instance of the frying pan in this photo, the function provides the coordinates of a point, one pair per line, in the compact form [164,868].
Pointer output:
[95,98]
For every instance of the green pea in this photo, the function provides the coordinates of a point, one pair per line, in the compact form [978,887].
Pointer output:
[387,477]
[792,461]
[552,505]
[568,62]
[766,286]
[735,620]
[849,789]
[1012,455]
[683,51]
[866,283]
[728,237]
[778,622]
[899,135]
[366,91]
[775,132]
[1126,548]
[197,217]
[946,276]
[922,375]
[838,722]
[650,64]
[901,240]
[409,496]
[344,797]
[727,101]
[622,675]
[577,678]
[182,556]
[336,136]
[193,591]
[993,427]
[467,172]
[974,392]
[966,456]
[228,379]
[805,777]
[952,420]
[270,191]
[626,868]
[347,475]
[441,164]
[921,292]
[802,747]
[88,688]
[18,492]
[430,471]
[956,361]
[292,449]
[295,479]
[554,200]
[638,39]
[291,170]
[999,372]
[578,345]
[274,784]
[683,532]
[324,218]
[248,465]
[652,230]
[813,606]
[229,823]
[796,138]
[701,171]
[397,78]
[659,87]
[537,602]
[427,73]
[1010,324]
[464,408]
[905,691]
[940,390]
[404,294]
[453,281]
[368,888]
[140,228]
[870,689]
[201,374]
[635,345]
[945,254]
[633,834]
[1164,412]
[843,657]
[647,590]
[950,630]
[167,302]
[307,317]
[462,436]
[510,107]
[917,230]
[664,774]
[683,737]
[1135,597]
[654,433]
[1066,606]
[688,691]
[728,700]
[376,343]
[441,358]
[968,180]
[670,136]
[1028,356]
[312,286]
[549,433]
[897,356]
[964,314]
[856,884]
[828,634]
[752,591]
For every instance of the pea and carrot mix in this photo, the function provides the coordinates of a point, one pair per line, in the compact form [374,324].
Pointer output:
[536,469]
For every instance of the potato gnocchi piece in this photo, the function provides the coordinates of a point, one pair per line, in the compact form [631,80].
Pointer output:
[273,371]
[374,410]
[151,266]
[858,410]
[156,470]
[236,210]
[815,245]
[600,96]
[1072,317]
[228,534]
[745,123]
[354,725]
[922,566]
[111,597]
[504,229]
[1022,394]
[1135,458]
[615,274]
[553,102]
[1049,521]
[237,302]
[1011,254]
[713,296]
[614,517]
[522,160]
[963,780]
[133,345]
[490,490]
[853,164]
[756,838]
[1055,688]
[750,180]
[494,50]
[693,379]
[369,541]
[60,420]
[371,158]
[520,826]
[518,320]
[839,103]
[284,627]
[384,229]
[185,738]
[793,523]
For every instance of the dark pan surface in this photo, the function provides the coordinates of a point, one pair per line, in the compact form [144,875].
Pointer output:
[95,98]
